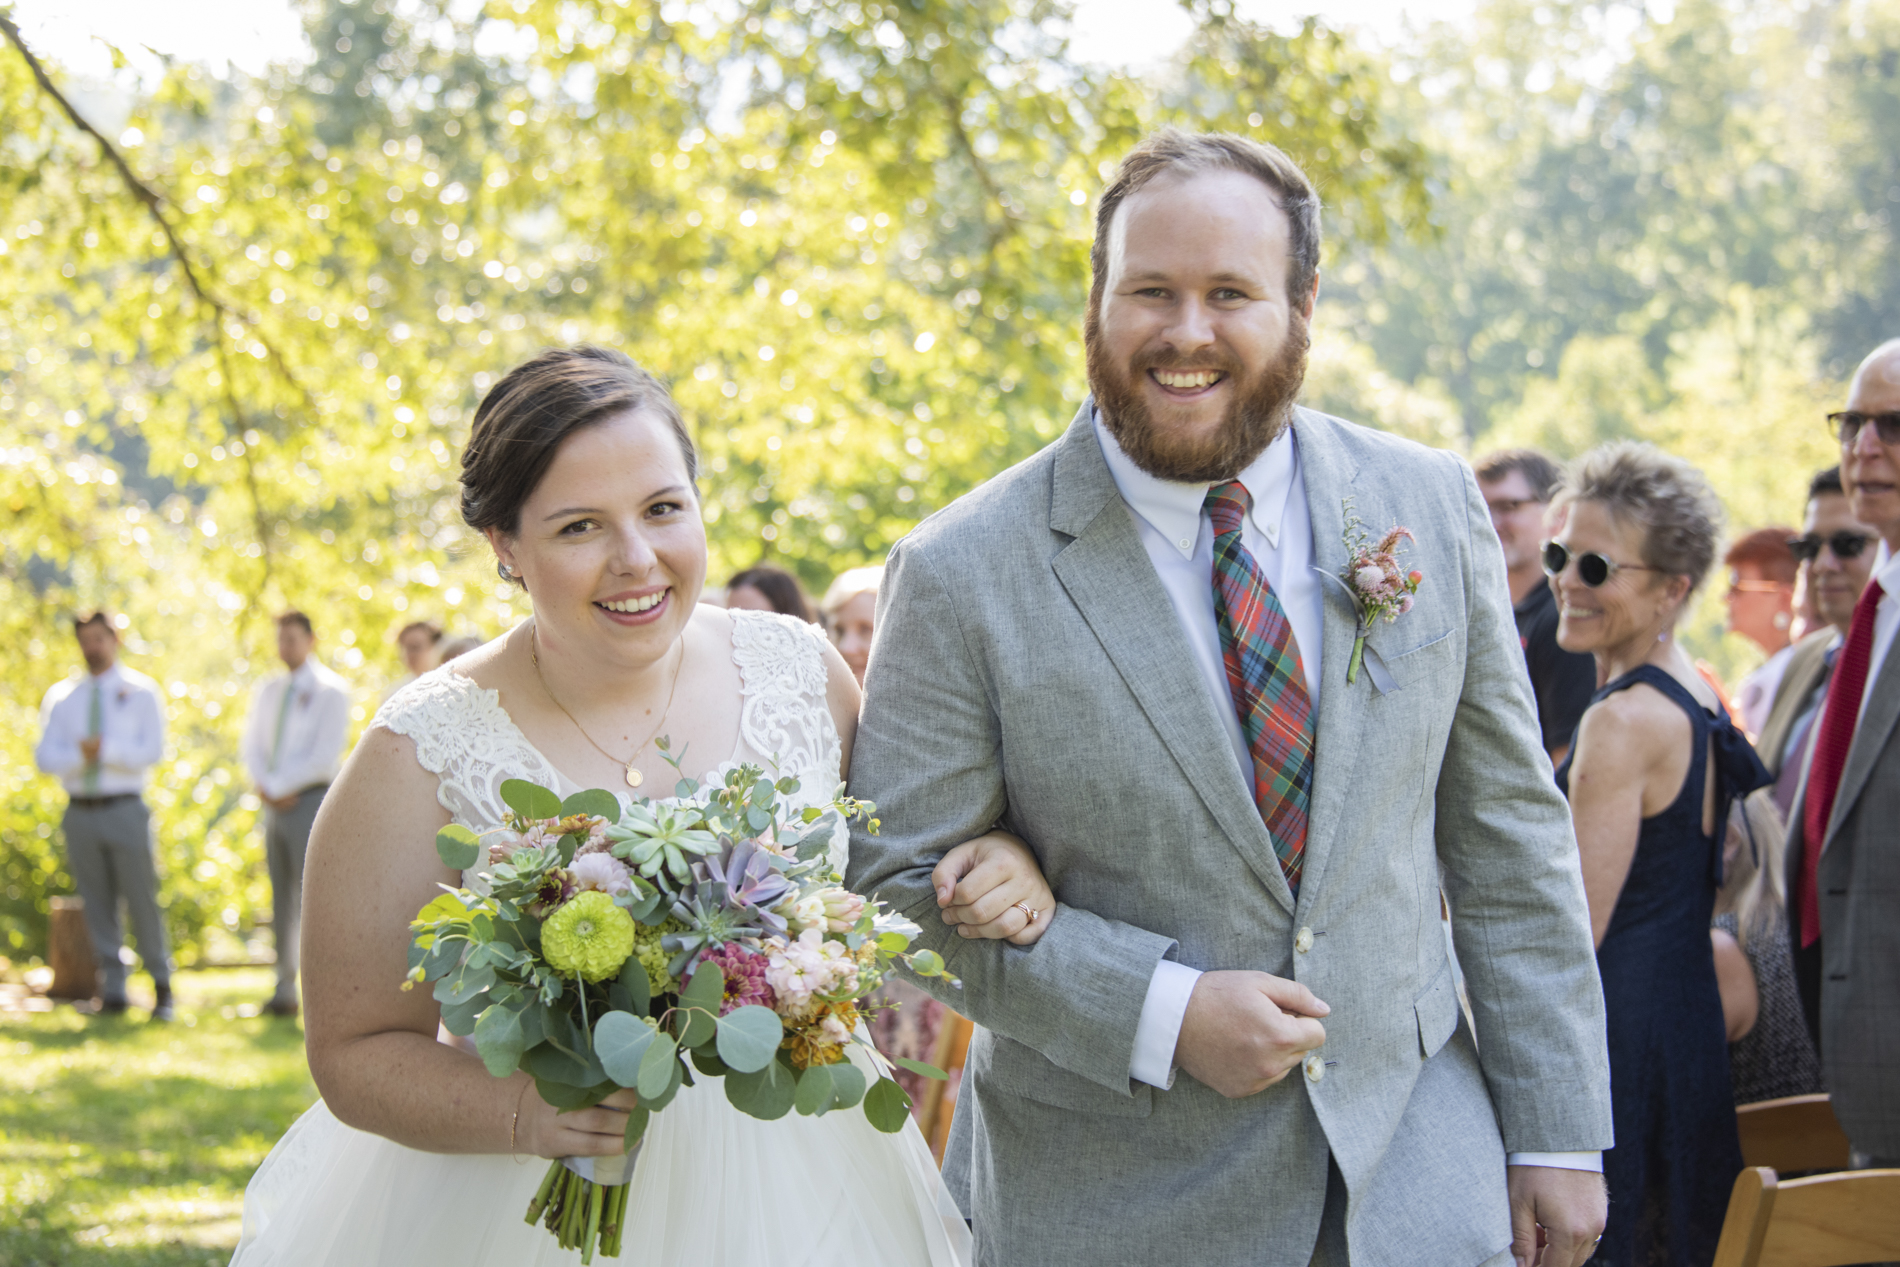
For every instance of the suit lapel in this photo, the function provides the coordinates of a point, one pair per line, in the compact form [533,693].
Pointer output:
[1327,473]
[1108,575]
[1870,738]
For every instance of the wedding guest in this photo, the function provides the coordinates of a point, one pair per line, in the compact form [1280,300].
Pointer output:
[1836,555]
[1517,485]
[99,735]
[1770,1053]
[460,645]
[769,589]
[293,742]
[850,612]
[1843,871]
[420,641]
[1761,576]
[1656,764]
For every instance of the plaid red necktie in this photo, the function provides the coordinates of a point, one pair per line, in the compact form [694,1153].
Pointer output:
[1266,680]
[1833,736]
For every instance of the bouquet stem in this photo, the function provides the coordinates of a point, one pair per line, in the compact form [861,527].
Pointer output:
[582,1214]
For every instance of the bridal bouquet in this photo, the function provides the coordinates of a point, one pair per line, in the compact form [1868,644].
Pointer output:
[632,949]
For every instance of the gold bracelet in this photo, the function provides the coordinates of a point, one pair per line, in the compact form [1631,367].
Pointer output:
[515,1125]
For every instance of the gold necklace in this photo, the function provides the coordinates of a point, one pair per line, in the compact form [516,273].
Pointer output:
[634,777]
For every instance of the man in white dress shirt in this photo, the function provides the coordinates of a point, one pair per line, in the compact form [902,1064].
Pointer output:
[1133,650]
[99,734]
[293,743]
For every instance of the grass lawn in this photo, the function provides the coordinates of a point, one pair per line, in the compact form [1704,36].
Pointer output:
[128,1144]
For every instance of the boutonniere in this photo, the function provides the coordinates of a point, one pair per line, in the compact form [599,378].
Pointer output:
[1379,589]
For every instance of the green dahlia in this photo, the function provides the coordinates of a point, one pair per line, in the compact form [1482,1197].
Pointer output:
[588,937]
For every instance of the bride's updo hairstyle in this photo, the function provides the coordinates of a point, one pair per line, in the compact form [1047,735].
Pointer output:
[538,404]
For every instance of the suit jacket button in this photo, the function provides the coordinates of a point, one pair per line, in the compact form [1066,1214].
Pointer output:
[1315,1067]
[1303,940]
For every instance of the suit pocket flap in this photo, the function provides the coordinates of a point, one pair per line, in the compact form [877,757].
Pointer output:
[1003,1064]
[1437,1010]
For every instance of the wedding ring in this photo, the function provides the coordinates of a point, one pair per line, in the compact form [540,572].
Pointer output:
[1024,908]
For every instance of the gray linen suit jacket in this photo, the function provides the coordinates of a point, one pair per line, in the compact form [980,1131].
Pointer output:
[1029,670]
[1859,882]
[1806,667]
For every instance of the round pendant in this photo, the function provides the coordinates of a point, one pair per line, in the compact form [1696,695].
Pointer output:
[634,777]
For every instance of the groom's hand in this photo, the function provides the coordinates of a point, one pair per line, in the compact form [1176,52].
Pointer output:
[1244,1031]
[1569,1206]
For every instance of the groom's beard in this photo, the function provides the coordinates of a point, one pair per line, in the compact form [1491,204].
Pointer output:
[1261,408]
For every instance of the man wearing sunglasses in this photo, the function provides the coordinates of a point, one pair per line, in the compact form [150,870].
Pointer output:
[1517,485]
[1835,552]
[1843,847]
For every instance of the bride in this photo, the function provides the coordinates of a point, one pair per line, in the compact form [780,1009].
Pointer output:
[582,476]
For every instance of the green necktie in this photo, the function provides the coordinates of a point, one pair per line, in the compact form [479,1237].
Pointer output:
[95,727]
[283,715]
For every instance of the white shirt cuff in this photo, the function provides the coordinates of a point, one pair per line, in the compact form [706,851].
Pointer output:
[1160,1025]
[1558,1161]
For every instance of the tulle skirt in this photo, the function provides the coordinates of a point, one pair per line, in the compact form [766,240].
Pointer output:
[711,1188]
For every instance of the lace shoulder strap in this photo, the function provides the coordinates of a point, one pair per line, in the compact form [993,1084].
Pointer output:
[466,739]
[784,721]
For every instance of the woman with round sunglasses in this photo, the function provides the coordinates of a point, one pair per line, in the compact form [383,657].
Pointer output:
[1652,771]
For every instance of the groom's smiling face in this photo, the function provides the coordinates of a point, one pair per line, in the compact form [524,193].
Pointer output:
[1195,349]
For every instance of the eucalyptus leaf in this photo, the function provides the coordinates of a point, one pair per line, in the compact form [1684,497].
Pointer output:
[927,963]
[633,979]
[919,1067]
[620,1042]
[758,819]
[568,1099]
[815,1089]
[596,802]
[675,1079]
[847,1085]
[886,1106]
[568,846]
[531,1029]
[459,987]
[748,1037]
[459,1018]
[637,1119]
[697,1028]
[498,1039]
[707,1062]
[530,800]
[458,847]
[659,1065]
[766,1094]
[706,990]
[686,789]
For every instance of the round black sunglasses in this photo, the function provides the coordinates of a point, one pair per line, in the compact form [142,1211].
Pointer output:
[1593,569]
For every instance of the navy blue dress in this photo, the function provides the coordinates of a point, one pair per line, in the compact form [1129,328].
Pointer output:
[1676,1154]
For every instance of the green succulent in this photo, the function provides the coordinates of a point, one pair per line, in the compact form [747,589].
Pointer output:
[649,837]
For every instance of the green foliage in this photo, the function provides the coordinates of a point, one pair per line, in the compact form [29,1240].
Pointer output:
[126,1143]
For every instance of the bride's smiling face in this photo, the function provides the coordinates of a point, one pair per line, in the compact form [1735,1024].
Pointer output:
[610,543]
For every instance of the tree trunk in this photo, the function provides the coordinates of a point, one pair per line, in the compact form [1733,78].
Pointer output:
[75,971]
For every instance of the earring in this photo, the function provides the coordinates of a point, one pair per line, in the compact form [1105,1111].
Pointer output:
[504,571]
[1782,620]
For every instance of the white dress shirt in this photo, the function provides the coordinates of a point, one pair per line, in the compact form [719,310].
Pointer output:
[131,731]
[1176,531]
[314,730]
[1886,616]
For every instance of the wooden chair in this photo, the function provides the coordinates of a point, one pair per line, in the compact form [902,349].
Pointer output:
[1826,1221]
[1798,1133]
[953,1047]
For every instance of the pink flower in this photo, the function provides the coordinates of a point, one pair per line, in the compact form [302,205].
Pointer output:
[745,973]
[600,871]
[808,967]
[1368,578]
[842,909]
[1405,604]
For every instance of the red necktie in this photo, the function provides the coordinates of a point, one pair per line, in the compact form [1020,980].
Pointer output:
[1839,716]
[1266,679]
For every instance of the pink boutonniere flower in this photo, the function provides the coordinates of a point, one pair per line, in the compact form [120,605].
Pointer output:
[1380,589]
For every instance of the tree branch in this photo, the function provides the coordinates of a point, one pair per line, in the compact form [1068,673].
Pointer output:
[154,204]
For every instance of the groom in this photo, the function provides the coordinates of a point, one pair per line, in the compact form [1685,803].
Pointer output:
[1239,1040]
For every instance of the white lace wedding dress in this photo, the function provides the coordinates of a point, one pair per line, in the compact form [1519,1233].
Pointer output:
[712,1187]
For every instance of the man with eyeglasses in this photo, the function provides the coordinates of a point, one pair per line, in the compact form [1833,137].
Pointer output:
[1517,485]
[1835,552]
[1843,846]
